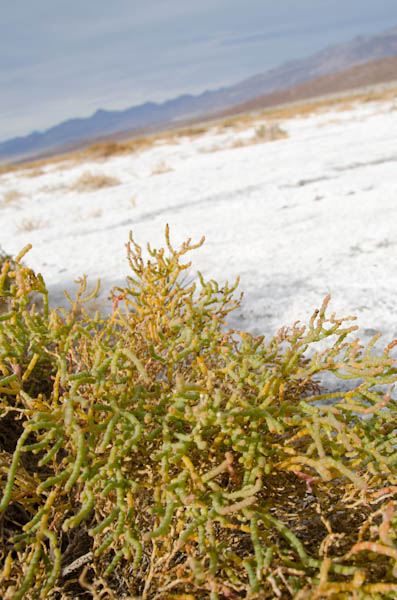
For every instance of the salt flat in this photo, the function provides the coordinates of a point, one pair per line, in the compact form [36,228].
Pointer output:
[297,218]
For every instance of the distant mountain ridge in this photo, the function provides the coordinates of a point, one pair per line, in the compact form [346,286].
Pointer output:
[105,123]
[367,75]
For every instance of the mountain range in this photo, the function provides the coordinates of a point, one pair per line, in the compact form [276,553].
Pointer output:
[277,85]
[375,74]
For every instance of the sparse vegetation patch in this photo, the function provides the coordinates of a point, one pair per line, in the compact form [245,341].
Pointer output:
[30,224]
[90,182]
[160,168]
[35,171]
[268,133]
[11,196]
[263,133]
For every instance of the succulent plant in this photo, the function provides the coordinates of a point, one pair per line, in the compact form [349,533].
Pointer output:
[157,454]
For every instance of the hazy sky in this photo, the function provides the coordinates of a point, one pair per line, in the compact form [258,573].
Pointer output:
[67,58]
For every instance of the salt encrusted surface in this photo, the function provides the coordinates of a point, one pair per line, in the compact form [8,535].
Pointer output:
[296,218]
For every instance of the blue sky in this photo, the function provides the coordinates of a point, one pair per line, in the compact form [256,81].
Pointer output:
[67,58]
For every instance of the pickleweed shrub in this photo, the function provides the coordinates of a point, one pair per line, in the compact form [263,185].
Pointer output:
[157,454]
[6,282]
